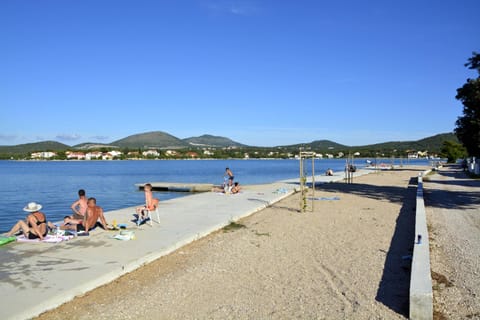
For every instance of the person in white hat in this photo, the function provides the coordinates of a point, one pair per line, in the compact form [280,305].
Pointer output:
[35,225]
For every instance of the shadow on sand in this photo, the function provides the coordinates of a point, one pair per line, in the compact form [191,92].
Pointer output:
[443,193]
[393,289]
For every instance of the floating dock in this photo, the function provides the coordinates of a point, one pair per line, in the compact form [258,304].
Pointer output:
[178,186]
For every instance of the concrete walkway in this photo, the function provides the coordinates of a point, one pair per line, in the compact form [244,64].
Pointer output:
[36,277]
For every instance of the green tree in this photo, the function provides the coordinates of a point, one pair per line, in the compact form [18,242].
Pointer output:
[61,155]
[453,151]
[468,126]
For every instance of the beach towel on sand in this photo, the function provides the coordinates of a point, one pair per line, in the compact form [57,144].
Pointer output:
[5,240]
[47,239]
[325,198]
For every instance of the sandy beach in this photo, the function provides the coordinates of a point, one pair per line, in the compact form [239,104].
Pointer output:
[345,260]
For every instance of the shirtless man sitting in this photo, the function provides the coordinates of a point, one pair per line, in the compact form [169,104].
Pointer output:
[93,215]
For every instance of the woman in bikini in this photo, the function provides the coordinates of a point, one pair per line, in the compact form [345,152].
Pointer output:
[35,225]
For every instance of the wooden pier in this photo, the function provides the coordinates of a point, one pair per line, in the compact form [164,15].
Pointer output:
[178,186]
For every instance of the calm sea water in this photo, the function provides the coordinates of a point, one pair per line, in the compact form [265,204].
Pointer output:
[54,184]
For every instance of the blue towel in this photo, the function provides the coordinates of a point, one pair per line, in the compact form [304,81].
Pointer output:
[325,198]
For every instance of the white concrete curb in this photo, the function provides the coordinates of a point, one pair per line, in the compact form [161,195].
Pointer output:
[421,294]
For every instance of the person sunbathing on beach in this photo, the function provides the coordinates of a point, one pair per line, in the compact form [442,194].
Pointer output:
[35,225]
[93,214]
[79,207]
[329,172]
[151,203]
[218,189]
[235,188]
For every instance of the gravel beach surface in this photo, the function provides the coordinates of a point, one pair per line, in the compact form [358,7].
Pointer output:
[348,259]
[453,211]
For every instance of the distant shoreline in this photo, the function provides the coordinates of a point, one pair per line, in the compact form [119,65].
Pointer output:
[220,159]
[183,159]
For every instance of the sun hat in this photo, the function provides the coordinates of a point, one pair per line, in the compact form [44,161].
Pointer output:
[32,207]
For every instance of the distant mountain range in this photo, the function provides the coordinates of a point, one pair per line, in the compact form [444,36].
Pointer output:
[163,140]
[432,144]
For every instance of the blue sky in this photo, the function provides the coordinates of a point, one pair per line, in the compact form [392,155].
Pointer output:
[260,72]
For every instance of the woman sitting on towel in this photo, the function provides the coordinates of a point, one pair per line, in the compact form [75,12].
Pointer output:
[35,225]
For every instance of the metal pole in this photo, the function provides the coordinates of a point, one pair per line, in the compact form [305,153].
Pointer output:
[313,180]
[353,166]
[303,199]
[301,179]
[345,170]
